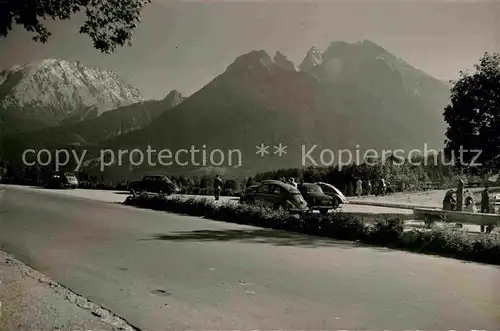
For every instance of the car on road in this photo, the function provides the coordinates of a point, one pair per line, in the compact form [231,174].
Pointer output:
[62,180]
[154,184]
[277,195]
[334,192]
[316,198]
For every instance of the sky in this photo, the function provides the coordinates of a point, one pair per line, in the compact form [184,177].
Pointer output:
[183,45]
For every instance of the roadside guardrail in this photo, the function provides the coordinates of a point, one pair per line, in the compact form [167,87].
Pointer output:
[456,216]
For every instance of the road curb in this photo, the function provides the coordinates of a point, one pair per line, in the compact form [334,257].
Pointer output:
[95,309]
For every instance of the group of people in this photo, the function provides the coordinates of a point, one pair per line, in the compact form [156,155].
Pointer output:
[450,202]
[292,181]
[380,189]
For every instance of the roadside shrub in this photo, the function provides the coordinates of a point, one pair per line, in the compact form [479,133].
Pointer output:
[454,243]
[90,185]
[344,227]
[388,232]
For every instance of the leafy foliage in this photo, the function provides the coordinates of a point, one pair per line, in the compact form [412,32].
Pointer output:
[473,116]
[3,169]
[109,23]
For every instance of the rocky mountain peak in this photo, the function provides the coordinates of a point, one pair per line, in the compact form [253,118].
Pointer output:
[371,44]
[251,60]
[281,60]
[174,98]
[312,59]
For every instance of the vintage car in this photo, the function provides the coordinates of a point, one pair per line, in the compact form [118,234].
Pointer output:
[61,180]
[247,193]
[316,198]
[154,184]
[332,191]
[276,194]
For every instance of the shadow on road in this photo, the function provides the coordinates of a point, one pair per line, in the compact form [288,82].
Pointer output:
[264,236]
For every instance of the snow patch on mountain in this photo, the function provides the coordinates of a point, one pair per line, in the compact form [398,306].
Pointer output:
[313,58]
[64,88]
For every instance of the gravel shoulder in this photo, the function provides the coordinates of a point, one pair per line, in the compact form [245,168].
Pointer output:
[31,301]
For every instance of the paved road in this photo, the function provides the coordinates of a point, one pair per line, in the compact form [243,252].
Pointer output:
[164,271]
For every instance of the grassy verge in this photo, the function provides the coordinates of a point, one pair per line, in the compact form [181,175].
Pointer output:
[387,232]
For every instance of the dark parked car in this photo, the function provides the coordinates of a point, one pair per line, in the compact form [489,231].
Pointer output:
[316,198]
[247,193]
[276,194]
[335,193]
[154,184]
[62,180]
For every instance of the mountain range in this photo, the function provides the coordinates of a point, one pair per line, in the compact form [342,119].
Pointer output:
[51,92]
[97,129]
[355,96]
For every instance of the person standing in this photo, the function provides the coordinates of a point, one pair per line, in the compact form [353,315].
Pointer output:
[454,201]
[369,187]
[470,205]
[249,182]
[301,184]
[460,195]
[382,186]
[350,188]
[485,203]
[448,200]
[485,200]
[359,188]
[217,186]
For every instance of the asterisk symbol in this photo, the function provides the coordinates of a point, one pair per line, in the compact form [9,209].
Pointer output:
[262,150]
[280,149]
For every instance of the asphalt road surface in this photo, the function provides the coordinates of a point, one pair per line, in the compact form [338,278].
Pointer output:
[163,271]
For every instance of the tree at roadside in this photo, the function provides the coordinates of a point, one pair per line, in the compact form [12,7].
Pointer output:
[473,118]
[108,23]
